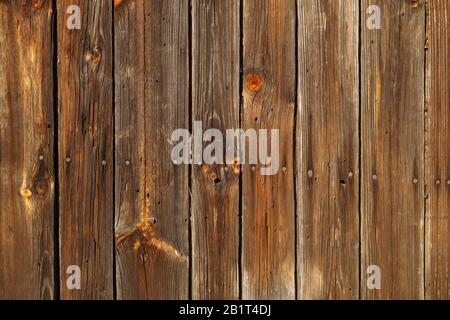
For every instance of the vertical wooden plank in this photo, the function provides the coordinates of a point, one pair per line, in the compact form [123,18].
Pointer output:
[437,154]
[152,195]
[85,109]
[328,149]
[215,191]
[26,151]
[392,79]
[268,208]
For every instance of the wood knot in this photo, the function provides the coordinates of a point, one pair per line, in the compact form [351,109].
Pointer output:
[254,82]
[236,166]
[96,56]
[215,177]
[26,193]
[41,186]
[37,5]
[117,3]
[25,9]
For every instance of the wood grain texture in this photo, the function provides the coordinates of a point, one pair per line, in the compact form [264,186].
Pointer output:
[152,195]
[268,208]
[26,151]
[85,108]
[437,152]
[328,150]
[215,191]
[392,112]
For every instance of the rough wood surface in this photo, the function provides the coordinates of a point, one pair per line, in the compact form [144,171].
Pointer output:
[215,191]
[437,154]
[85,109]
[152,195]
[268,212]
[392,141]
[327,150]
[86,118]
[27,177]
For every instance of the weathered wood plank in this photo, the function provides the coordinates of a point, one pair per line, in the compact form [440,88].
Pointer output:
[328,150]
[26,151]
[392,112]
[437,156]
[268,208]
[85,108]
[152,195]
[215,191]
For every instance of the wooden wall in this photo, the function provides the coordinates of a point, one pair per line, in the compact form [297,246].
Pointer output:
[87,180]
